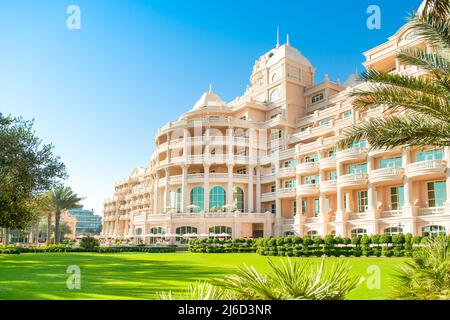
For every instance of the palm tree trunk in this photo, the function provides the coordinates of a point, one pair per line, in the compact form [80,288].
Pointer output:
[6,235]
[49,228]
[36,232]
[57,227]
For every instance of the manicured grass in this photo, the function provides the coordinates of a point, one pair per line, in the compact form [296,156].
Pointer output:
[140,275]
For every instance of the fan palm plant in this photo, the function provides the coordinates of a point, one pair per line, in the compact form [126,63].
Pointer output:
[62,198]
[427,276]
[417,110]
[287,281]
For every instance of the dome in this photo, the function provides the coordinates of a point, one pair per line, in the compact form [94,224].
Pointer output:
[352,80]
[209,99]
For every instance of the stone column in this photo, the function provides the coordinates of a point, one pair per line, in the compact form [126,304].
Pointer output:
[167,191]
[206,188]
[156,194]
[184,188]
[186,146]
[408,206]
[371,192]
[250,197]
[278,217]
[230,186]
[258,189]
[230,145]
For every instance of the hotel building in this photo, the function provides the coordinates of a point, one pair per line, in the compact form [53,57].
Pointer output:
[266,164]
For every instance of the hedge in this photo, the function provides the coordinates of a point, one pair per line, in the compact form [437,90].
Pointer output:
[65,248]
[368,246]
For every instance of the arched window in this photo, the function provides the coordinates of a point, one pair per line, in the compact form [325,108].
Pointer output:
[433,231]
[358,232]
[217,199]
[217,230]
[158,231]
[238,199]
[311,234]
[288,233]
[197,199]
[393,231]
[178,205]
[182,231]
[275,95]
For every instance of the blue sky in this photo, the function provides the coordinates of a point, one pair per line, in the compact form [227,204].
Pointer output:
[100,93]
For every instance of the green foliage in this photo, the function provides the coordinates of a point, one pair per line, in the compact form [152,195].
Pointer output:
[89,243]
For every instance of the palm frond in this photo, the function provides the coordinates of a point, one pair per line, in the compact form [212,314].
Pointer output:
[398,130]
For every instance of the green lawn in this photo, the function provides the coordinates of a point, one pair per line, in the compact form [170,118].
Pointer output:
[140,275]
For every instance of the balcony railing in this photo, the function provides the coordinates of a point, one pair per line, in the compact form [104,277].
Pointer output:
[286,192]
[431,211]
[353,179]
[392,213]
[328,186]
[327,163]
[389,174]
[426,167]
[351,154]
[307,167]
[308,189]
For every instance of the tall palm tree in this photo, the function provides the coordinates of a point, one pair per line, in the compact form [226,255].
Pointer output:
[42,207]
[62,198]
[417,110]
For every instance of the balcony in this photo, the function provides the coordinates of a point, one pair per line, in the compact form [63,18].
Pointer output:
[354,180]
[388,175]
[307,167]
[385,152]
[286,192]
[329,186]
[392,213]
[268,196]
[308,189]
[431,211]
[286,172]
[351,155]
[327,163]
[430,168]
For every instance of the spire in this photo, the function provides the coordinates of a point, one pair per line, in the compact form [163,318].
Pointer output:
[210,88]
[278,37]
[288,42]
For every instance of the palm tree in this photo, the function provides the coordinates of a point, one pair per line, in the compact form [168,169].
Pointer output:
[427,276]
[292,279]
[42,207]
[62,198]
[417,110]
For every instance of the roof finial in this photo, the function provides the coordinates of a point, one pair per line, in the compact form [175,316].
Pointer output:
[210,88]
[278,36]
[288,42]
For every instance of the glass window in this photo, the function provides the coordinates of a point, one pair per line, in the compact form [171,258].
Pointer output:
[437,193]
[331,153]
[433,231]
[391,162]
[217,230]
[312,180]
[273,208]
[362,201]
[311,158]
[359,144]
[358,232]
[393,231]
[289,164]
[316,207]
[357,168]
[276,134]
[295,207]
[327,204]
[317,98]
[290,184]
[158,230]
[242,171]
[332,175]
[435,154]
[197,199]
[347,114]
[178,200]
[217,198]
[312,234]
[238,198]
[185,230]
[325,122]
[397,197]
[304,206]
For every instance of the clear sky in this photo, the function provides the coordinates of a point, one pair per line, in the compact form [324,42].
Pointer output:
[100,93]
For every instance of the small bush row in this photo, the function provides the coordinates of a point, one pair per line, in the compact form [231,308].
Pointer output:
[222,246]
[65,248]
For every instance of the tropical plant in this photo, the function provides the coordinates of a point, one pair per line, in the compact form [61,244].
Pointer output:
[292,279]
[427,275]
[62,198]
[417,109]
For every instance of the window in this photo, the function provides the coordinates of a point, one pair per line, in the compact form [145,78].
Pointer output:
[347,114]
[359,144]
[436,193]
[289,184]
[317,98]
[275,95]
[397,197]
[289,164]
[393,231]
[359,232]
[311,158]
[312,180]
[178,207]
[435,154]
[294,208]
[304,206]
[332,175]
[312,234]
[327,205]
[332,154]
[325,122]
[316,207]
[357,168]
[433,231]
[272,189]
[241,171]
[219,230]
[391,162]
[243,118]
[197,199]
[158,231]
[238,198]
[275,135]
[217,198]
[182,231]
[362,201]
[274,115]
[273,208]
